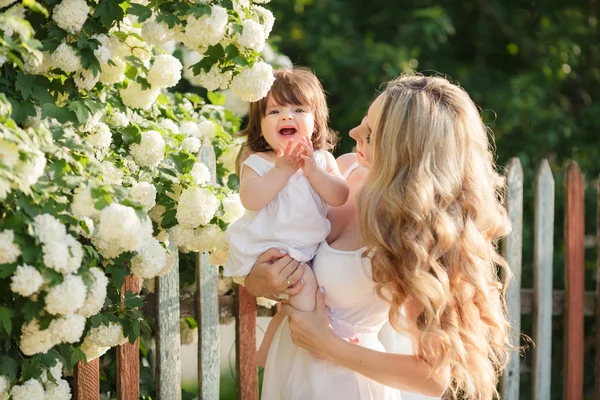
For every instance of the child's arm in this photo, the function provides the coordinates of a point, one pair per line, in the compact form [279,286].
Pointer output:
[330,184]
[257,191]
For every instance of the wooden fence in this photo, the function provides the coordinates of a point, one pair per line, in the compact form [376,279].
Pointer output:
[542,302]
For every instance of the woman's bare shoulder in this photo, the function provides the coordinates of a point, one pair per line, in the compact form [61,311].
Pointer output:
[345,161]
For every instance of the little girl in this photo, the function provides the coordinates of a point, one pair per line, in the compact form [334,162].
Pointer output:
[289,181]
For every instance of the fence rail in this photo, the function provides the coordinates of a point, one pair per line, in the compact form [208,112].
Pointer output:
[541,301]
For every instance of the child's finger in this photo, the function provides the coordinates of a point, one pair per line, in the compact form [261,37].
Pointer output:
[289,148]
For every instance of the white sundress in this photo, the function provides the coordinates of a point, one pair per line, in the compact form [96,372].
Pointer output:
[295,222]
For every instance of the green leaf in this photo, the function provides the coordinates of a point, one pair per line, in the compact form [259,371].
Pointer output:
[9,367]
[109,11]
[63,115]
[6,315]
[233,182]
[25,84]
[142,12]
[133,300]
[32,309]
[218,99]
[169,219]
[118,273]
[102,197]
[81,110]
[36,7]
[168,18]
[199,10]
[7,270]
[131,134]
[31,368]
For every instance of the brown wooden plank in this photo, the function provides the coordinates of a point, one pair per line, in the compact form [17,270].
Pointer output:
[87,380]
[128,356]
[542,281]
[597,383]
[558,302]
[245,345]
[513,245]
[574,277]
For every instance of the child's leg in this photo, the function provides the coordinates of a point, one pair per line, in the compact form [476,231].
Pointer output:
[305,300]
[263,350]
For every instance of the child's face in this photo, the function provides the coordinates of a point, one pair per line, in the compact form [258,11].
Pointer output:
[286,122]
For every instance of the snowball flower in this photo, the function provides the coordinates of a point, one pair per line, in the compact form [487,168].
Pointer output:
[4,3]
[9,153]
[253,35]
[165,72]
[113,73]
[70,15]
[32,169]
[232,208]
[214,79]
[200,173]
[83,204]
[267,16]
[238,106]
[261,1]
[197,206]
[219,255]
[191,145]
[111,175]
[30,390]
[145,194]
[252,84]
[119,119]
[206,30]
[190,128]
[55,372]
[58,391]
[9,250]
[101,137]
[151,150]
[65,58]
[135,97]
[207,238]
[33,340]
[150,260]
[56,255]
[102,53]
[4,386]
[207,129]
[86,79]
[68,329]
[107,336]
[26,280]
[96,294]
[66,297]
[120,230]
[37,63]
[169,124]
[156,33]
[156,213]
[48,229]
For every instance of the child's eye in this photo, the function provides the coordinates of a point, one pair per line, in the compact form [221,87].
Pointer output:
[272,112]
[300,110]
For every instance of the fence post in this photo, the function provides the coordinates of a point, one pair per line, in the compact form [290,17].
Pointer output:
[168,343]
[597,387]
[245,344]
[574,276]
[87,380]
[128,356]
[207,277]
[512,252]
[542,281]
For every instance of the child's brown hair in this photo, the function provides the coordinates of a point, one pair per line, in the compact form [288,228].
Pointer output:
[296,86]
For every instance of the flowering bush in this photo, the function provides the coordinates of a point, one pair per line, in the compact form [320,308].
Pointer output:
[98,163]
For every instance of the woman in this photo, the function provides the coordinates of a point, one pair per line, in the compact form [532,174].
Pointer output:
[417,248]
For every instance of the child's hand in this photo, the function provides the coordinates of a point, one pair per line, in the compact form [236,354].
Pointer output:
[310,164]
[290,159]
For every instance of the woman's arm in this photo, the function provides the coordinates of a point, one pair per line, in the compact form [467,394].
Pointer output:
[311,331]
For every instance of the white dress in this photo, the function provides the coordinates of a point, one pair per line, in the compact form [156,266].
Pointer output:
[355,311]
[295,221]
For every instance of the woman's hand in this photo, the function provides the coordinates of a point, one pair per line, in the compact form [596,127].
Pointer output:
[311,330]
[273,273]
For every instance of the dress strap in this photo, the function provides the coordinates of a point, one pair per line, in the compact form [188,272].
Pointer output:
[350,169]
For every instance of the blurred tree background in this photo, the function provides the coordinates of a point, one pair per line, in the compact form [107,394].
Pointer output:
[532,66]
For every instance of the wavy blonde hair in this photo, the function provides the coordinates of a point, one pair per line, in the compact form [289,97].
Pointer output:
[431,211]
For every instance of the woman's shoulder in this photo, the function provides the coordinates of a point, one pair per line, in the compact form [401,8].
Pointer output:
[345,161]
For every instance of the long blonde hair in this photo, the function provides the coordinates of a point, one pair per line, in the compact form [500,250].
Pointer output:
[431,211]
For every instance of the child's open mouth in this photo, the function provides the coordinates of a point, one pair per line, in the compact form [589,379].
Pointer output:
[287,131]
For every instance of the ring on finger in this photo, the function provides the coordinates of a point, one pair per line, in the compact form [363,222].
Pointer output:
[288,282]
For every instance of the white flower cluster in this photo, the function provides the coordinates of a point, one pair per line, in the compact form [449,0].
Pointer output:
[100,339]
[66,297]
[9,250]
[150,260]
[100,137]
[4,387]
[62,252]
[191,144]
[197,206]
[86,79]
[200,173]
[156,33]
[111,175]
[267,17]
[58,391]
[206,30]
[30,390]
[165,72]
[66,329]
[96,294]
[135,97]
[70,15]
[151,150]
[83,204]
[145,194]
[253,83]
[26,281]
[65,58]
[203,239]
[169,124]
[116,73]
[232,208]
[120,230]
[38,63]
[253,35]
[219,254]
[214,79]
[32,169]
